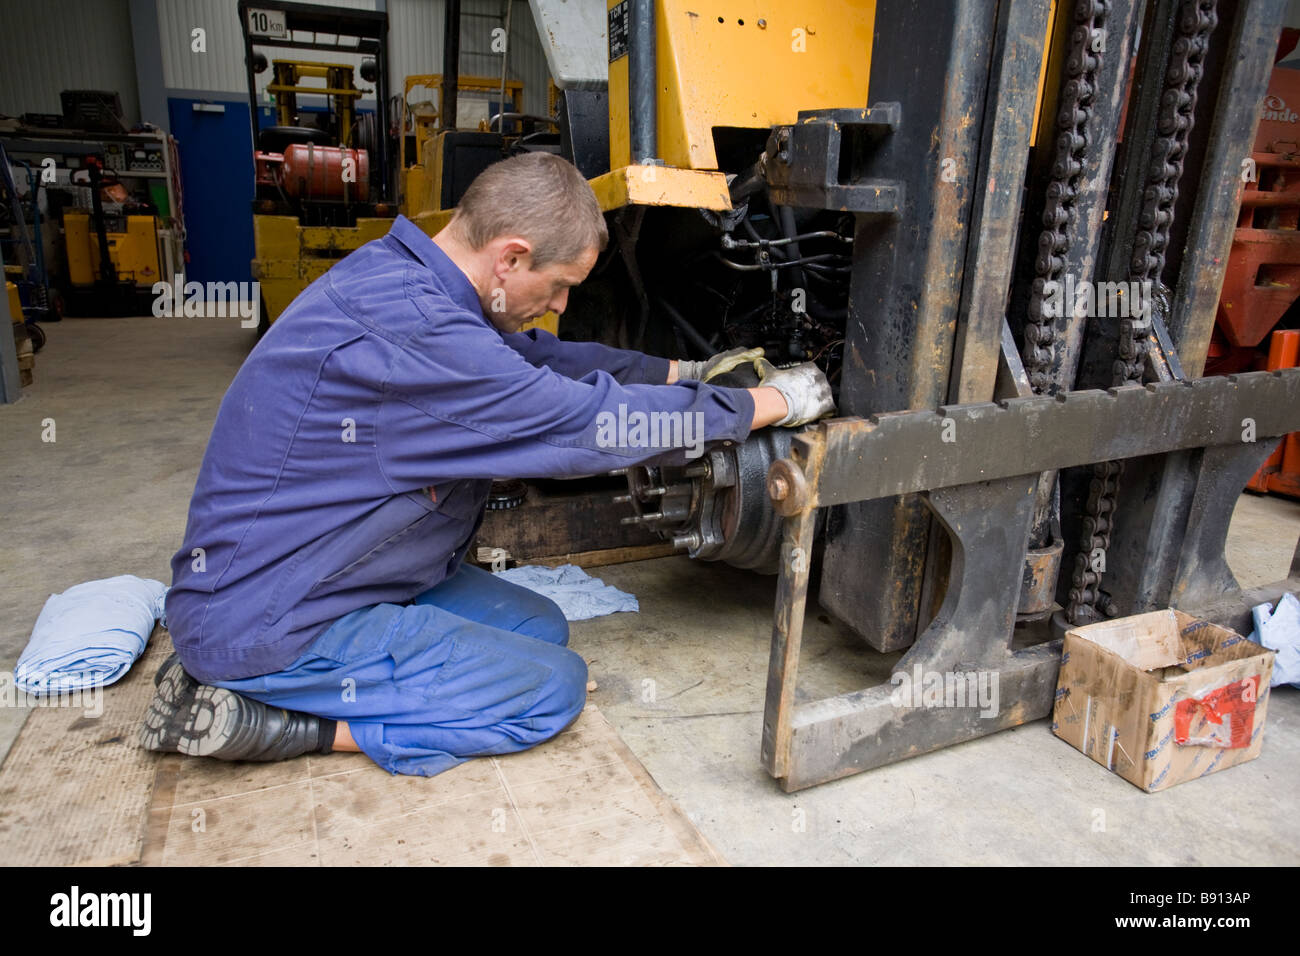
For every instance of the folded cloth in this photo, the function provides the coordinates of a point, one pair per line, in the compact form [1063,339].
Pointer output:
[1278,629]
[579,595]
[89,635]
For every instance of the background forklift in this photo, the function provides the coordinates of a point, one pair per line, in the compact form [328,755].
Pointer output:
[324,187]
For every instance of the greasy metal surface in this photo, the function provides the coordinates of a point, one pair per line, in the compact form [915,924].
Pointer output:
[1202,573]
[1193,24]
[987,512]
[1081,235]
[904,452]
[816,162]
[906,289]
[717,505]
[988,524]
[1169,549]
[976,465]
[1074,243]
[1038,580]
[643,125]
[1155,496]
[787,632]
[844,735]
[788,488]
[1008,130]
[1132,170]
[1066,227]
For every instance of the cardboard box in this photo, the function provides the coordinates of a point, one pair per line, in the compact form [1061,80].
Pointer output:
[1161,698]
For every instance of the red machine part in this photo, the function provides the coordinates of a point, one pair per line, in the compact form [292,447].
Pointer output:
[1281,473]
[268,167]
[1263,275]
[1262,281]
[326,172]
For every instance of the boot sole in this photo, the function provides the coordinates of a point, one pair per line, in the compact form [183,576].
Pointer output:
[168,713]
[214,721]
[172,658]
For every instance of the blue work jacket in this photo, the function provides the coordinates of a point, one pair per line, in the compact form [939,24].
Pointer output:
[351,457]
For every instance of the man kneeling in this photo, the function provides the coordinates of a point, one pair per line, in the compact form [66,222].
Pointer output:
[320,600]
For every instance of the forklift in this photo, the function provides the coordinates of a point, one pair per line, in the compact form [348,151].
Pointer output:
[898,192]
[323,182]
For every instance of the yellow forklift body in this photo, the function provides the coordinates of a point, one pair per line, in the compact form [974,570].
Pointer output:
[291,255]
[134,252]
[742,63]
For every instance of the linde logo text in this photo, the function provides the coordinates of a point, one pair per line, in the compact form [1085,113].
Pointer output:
[1275,109]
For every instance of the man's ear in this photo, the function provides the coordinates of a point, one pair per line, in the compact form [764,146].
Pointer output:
[516,254]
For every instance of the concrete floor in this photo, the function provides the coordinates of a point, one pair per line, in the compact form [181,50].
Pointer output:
[682,681]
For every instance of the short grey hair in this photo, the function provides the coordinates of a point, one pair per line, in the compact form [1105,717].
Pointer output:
[538,196]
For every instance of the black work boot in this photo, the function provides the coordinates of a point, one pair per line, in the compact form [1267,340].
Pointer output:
[229,726]
[169,710]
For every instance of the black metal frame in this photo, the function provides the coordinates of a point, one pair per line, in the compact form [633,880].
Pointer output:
[927,326]
[368,27]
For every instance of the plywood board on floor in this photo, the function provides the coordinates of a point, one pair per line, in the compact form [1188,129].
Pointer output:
[76,785]
[581,798]
[86,793]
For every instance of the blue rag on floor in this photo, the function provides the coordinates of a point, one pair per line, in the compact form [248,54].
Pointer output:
[89,635]
[1278,629]
[579,595]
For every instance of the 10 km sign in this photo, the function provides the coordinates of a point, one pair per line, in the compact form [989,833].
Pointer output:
[267,23]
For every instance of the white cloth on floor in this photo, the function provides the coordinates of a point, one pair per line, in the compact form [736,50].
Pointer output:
[579,595]
[1278,629]
[89,635]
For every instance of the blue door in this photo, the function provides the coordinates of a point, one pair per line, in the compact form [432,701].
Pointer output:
[216,148]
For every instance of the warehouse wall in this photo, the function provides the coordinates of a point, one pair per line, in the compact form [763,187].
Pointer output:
[59,45]
[415,41]
[415,44]
[221,68]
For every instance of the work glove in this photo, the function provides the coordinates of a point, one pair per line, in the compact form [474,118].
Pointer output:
[804,388]
[720,364]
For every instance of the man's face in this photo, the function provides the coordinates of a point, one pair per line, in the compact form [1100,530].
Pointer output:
[521,293]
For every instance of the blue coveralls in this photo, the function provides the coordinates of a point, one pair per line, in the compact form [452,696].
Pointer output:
[347,472]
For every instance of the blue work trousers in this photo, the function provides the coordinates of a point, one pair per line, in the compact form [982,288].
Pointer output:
[471,667]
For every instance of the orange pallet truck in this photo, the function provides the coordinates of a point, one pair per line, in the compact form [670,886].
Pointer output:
[1281,472]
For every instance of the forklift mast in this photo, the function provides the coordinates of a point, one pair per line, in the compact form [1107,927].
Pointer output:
[300,26]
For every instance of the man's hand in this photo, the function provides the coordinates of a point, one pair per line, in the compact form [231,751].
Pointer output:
[806,391]
[719,364]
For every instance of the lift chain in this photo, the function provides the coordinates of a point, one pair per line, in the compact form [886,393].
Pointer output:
[1077,98]
[1196,20]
